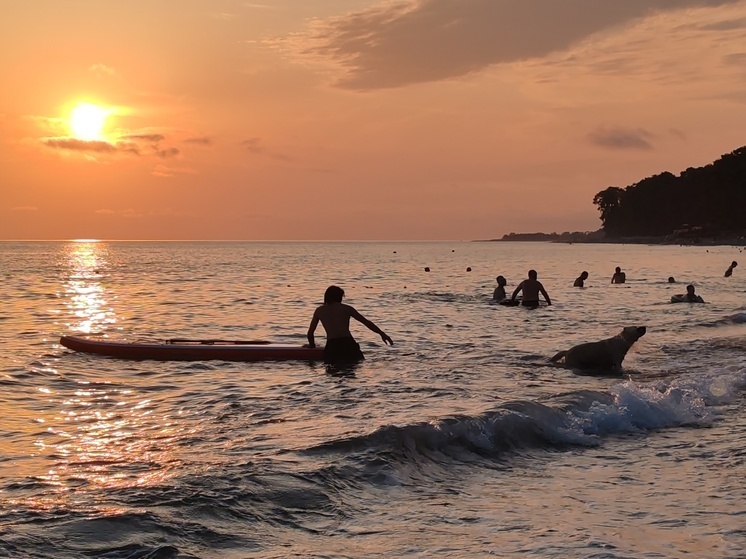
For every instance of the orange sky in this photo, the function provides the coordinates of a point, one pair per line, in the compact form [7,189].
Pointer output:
[353,119]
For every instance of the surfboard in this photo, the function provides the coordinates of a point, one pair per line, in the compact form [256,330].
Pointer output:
[193,350]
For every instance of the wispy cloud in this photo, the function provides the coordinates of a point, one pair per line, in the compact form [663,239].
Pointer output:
[255,145]
[73,144]
[137,144]
[396,44]
[621,138]
[200,140]
[155,138]
[25,209]
[724,25]
[102,70]
[166,171]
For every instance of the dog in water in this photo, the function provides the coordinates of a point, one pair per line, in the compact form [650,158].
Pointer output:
[606,354]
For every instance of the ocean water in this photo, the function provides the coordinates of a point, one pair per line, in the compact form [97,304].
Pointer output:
[461,440]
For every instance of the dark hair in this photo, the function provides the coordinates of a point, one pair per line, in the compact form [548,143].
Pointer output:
[532,274]
[689,288]
[618,269]
[585,274]
[333,294]
[501,280]
[671,280]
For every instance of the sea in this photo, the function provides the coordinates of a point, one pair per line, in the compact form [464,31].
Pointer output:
[462,440]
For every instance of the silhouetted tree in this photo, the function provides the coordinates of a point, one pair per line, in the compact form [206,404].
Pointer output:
[712,197]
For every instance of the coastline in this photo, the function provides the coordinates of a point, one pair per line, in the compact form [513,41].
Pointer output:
[736,240]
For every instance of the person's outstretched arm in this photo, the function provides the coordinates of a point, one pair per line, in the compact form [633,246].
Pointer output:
[312,329]
[517,290]
[360,318]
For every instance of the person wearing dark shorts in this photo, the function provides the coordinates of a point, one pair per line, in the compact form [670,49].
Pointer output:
[531,288]
[342,350]
[335,316]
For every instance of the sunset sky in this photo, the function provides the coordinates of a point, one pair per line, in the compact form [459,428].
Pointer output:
[353,119]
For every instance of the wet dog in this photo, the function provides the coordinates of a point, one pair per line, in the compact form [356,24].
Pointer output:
[606,354]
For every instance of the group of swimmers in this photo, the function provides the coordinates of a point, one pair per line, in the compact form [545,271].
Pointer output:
[335,316]
[531,288]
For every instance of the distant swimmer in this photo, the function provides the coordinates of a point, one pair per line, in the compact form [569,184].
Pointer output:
[335,316]
[729,271]
[671,279]
[499,293]
[689,297]
[619,276]
[531,288]
[580,280]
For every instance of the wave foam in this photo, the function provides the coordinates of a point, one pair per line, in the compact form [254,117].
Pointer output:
[577,418]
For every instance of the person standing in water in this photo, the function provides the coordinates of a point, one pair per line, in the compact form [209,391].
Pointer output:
[499,293]
[580,281]
[619,276]
[335,316]
[531,288]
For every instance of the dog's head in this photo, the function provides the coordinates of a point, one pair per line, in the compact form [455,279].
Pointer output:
[631,334]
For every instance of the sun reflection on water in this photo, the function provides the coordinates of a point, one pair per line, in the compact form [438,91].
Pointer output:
[103,438]
[85,291]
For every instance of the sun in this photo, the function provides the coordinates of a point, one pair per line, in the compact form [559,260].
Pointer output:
[87,122]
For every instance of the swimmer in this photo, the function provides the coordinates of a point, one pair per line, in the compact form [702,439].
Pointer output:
[531,288]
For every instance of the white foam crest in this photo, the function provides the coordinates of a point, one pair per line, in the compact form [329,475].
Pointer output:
[686,400]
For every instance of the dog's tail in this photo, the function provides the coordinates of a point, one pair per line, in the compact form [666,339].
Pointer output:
[559,356]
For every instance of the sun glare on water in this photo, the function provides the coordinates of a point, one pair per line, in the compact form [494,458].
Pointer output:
[87,122]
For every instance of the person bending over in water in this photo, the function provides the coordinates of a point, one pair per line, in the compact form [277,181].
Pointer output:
[499,293]
[619,276]
[579,282]
[531,288]
[335,316]
[729,271]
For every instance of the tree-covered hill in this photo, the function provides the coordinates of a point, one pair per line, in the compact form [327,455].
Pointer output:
[710,200]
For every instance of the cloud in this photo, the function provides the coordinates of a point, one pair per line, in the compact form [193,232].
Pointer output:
[737,59]
[166,171]
[137,144]
[147,137]
[203,140]
[102,70]
[25,209]
[254,145]
[401,43]
[167,152]
[621,138]
[725,25]
[73,144]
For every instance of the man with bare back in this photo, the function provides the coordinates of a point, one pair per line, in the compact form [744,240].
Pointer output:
[335,316]
[531,288]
